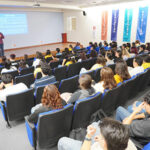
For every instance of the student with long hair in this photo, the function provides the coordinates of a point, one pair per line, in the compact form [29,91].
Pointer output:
[50,100]
[107,80]
[121,71]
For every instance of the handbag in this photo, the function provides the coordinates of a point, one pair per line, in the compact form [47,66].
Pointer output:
[78,134]
[98,115]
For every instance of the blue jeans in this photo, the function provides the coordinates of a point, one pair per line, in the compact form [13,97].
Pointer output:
[1,50]
[122,113]
[130,108]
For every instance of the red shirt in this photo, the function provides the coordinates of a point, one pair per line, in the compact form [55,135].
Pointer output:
[1,38]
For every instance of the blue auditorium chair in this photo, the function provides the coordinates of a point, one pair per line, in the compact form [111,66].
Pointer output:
[69,85]
[60,73]
[51,126]
[17,106]
[27,79]
[84,108]
[27,70]
[110,100]
[73,69]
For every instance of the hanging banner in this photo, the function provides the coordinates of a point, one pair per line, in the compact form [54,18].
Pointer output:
[104,25]
[142,24]
[114,27]
[127,25]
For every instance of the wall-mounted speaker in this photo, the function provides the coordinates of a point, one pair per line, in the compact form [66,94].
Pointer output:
[84,13]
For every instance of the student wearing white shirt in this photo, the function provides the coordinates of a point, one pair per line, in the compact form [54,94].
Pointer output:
[7,87]
[8,67]
[137,62]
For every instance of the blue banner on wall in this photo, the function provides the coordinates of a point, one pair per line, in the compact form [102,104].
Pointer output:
[127,25]
[114,27]
[142,24]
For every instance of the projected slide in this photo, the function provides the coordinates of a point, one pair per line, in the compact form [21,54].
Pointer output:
[13,24]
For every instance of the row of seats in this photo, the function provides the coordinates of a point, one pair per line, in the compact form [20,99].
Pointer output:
[19,105]
[48,123]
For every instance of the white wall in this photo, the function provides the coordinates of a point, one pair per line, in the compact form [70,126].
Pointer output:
[43,28]
[84,31]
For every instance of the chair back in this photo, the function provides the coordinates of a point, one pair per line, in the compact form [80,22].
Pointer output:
[73,69]
[53,125]
[69,85]
[110,100]
[84,108]
[27,79]
[19,105]
[27,70]
[60,73]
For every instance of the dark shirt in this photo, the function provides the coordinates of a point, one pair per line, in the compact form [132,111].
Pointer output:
[33,118]
[140,130]
[81,94]
[1,38]
[44,81]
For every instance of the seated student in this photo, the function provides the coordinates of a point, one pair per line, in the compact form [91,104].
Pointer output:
[77,46]
[70,48]
[147,47]
[8,67]
[121,71]
[107,134]
[39,57]
[101,62]
[58,52]
[125,53]
[68,61]
[107,80]
[49,55]
[134,49]
[106,45]
[82,57]
[50,100]
[22,65]
[118,55]
[86,90]
[137,62]
[96,47]
[138,123]
[7,87]
[93,52]
[137,43]
[102,51]
[89,47]
[146,62]
[12,59]
[109,58]
[47,77]
[142,50]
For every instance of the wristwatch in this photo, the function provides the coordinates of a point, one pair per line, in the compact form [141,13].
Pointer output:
[87,139]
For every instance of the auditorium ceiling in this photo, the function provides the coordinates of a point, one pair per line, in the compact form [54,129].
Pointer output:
[74,4]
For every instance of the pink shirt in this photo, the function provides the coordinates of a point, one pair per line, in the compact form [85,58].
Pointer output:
[1,38]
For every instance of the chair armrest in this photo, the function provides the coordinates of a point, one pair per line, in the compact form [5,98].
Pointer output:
[3,108]
[31,131]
